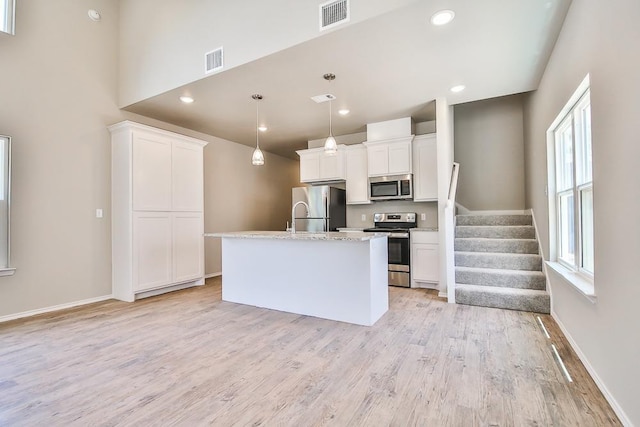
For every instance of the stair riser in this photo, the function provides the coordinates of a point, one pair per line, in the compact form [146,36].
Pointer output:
[506,262]
[500,232]
[516,281]
[494,220]
[503,245]
[537,304]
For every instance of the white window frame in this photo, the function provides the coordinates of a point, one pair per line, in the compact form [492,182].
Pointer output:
[8,16]
[573,272]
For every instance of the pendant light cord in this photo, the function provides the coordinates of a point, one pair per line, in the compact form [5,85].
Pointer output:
[330,127]
[257,124]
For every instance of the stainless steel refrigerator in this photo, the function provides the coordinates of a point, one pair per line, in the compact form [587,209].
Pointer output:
[327,208]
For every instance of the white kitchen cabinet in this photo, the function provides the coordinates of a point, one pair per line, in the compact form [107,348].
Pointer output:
[152,250]
[151,170]
[425,168]
[425,257]
[389,157]
[316,166]
[188,246]
[157,211]
[357,185]
[187,171]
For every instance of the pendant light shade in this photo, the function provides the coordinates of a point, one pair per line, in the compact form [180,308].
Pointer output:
[258,158]
[330,145]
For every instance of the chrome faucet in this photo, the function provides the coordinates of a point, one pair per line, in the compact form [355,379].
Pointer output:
[293,214]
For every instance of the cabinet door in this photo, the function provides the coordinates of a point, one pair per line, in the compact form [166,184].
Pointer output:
[399,158]
[357,185]
[152,247]
[424,262]
[188,246]
[332,166]
[425,169]
[151,172]
[188,178]
[378,160]
[309,167]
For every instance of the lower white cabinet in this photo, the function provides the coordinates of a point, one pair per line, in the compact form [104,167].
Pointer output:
[425,256]
[167,249]
[188,246]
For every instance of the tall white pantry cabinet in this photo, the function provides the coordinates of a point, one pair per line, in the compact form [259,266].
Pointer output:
[157,192]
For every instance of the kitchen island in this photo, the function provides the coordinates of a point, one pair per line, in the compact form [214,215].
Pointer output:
[336,276]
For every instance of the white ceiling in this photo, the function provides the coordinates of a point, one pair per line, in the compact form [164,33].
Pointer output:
[388,67]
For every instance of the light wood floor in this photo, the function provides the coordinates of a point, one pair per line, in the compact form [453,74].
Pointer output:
[189,359]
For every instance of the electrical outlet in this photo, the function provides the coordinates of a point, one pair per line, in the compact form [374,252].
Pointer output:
[364,217]
[423,216]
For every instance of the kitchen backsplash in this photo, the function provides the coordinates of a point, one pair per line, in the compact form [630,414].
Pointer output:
[355,212]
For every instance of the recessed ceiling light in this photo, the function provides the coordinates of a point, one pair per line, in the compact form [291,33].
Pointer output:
[343,112]
[94,15]
[442,17]
[458,88]
[186,99]
[262,128]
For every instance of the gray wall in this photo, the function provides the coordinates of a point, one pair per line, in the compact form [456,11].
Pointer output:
[154,60]
[58,81]
[355,212]
[600,38]
[490,149]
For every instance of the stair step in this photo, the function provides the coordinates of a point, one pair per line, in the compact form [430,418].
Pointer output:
[516,246]
[508,219]
[499,260]
[496,232]
[498,297]
[519,279]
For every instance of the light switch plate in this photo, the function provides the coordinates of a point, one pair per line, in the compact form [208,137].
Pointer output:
[423,217]
[364,217]
[98,213]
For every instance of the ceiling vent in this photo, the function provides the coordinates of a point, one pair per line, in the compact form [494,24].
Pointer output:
[333,13]
[214,60]
[323,98]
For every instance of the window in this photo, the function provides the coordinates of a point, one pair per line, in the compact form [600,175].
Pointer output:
[571,185]
[7,16]
[5,193]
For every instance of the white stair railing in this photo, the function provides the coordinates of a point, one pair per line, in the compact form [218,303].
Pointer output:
[449,230]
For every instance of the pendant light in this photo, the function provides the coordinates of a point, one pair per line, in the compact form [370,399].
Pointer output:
[258,158]
[330,145]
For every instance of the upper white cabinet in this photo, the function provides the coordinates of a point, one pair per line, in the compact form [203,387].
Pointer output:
[390,157]
[316,166]
[187,173]
[151,171]
[157,210]
[357,185]
[425,168]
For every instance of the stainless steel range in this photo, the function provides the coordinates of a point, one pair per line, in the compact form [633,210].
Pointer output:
[398,226]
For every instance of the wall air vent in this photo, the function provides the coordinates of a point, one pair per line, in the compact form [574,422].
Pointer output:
[334,13]
[213,61]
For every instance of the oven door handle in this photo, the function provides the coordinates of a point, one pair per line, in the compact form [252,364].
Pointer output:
[399,235]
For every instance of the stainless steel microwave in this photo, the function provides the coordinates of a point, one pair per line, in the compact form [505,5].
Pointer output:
[395,187]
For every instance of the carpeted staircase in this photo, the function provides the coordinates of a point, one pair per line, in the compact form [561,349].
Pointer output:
[497,263]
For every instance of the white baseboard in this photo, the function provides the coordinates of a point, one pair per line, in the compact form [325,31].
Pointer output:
[603,388]
[210,275]
[53,308]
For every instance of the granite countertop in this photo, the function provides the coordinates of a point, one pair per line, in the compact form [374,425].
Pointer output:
[285,235]
[425,229]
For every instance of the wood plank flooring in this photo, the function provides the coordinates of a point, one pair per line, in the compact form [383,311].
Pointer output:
[189,359]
